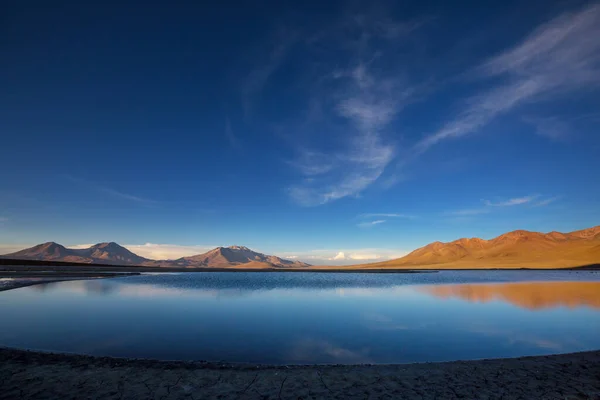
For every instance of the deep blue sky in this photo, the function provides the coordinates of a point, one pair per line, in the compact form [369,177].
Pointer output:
[297,128]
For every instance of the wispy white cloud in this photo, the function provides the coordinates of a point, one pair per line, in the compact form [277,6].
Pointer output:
[355,165]
[112,192]
[561,55]
[591,116]
[386,215]
[123,195]
[377,218]
[490,206]
[482,110]
[549,127]
[368,87]
[233,140]
[370,224]
[260,74]
[468,212]
[365,100]
[511,202]
[547,201]
[311,163]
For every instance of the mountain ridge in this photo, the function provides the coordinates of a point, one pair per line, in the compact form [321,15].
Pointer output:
[511,250]
[233,256]
[113,253]
[100,253]
[515,249]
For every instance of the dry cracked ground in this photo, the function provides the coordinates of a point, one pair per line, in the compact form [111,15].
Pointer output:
[31,375]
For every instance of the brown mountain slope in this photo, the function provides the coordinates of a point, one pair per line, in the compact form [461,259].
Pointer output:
[517,249]
[49,251]
[233,256]
[112,253]
[101,253]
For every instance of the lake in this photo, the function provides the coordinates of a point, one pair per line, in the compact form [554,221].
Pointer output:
[305,318]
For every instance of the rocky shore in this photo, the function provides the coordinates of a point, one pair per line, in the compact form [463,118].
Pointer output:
[39,375]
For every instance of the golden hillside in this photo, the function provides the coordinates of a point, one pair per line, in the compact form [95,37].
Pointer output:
[517,249]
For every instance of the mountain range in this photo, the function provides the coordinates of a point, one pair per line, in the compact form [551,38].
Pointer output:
[232,256]
[101,253]
[517,249]
[112,253]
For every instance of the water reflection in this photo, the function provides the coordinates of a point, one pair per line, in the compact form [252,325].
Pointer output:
[346,284]
[90,286]
[312,350]
[381,322]
[516,337]
[528,295]
[309,318]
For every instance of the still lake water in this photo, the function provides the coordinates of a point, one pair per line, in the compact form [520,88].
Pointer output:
[299,318]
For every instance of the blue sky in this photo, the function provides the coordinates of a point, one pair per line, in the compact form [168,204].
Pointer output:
[337,132]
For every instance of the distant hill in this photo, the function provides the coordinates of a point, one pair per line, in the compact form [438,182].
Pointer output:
[112,253]
[101,253]
[517,249]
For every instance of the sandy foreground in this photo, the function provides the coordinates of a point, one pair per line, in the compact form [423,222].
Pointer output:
[37,375]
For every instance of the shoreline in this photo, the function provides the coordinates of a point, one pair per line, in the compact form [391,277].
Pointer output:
[19,280]
[17,265]
[29,374]
[126,269]
[35,276]
[18,270]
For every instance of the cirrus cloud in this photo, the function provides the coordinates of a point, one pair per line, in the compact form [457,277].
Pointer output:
[559,56]
[369,224]
[511,202]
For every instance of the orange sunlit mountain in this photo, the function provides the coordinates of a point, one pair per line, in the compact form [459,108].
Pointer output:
[529,295]
[517,249]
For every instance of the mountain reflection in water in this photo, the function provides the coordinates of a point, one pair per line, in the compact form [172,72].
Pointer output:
[300,318]
[529,295]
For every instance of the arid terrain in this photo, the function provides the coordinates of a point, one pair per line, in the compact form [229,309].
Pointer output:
[111,253]
[512,250]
